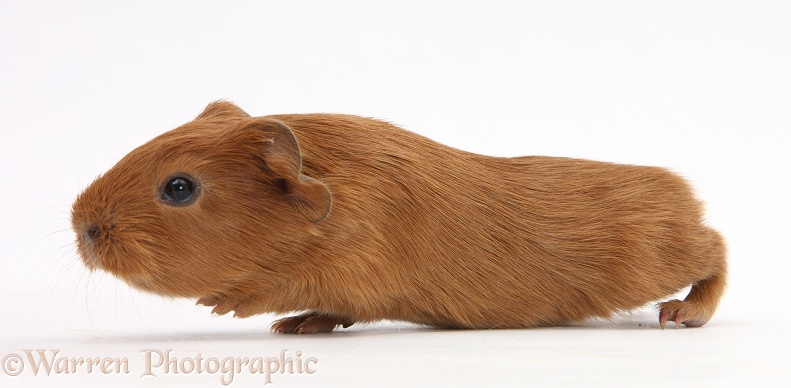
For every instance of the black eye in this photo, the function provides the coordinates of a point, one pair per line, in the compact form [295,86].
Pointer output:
[178,190]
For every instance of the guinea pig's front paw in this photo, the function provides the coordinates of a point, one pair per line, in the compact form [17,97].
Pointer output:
[208,301]
[242,308]
[310,323]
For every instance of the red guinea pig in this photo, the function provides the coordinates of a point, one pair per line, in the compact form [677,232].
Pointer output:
[346,219]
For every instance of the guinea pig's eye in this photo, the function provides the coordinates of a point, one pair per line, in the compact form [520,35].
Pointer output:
[179,190]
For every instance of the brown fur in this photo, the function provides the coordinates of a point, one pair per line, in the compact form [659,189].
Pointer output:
[363,221]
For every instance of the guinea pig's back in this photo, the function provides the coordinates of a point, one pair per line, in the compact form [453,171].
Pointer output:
[619,234]
[500,241]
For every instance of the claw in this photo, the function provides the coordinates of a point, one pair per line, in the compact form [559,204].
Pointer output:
[222,308]
[206,301]
[663,316]
[309,323]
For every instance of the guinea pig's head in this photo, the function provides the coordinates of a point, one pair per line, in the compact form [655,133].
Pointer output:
[202,206]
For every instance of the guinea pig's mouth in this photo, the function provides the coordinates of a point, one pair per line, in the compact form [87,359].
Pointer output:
[141,282]
[90,261]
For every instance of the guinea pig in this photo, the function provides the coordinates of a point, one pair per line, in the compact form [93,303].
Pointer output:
[346,219]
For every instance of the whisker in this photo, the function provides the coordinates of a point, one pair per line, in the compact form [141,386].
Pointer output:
[134,304]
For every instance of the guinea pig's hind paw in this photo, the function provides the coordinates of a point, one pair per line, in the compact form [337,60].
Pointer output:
[685,312]
[665,316]
[309,323]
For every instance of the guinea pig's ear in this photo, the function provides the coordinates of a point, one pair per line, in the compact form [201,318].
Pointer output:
[282,156]
[221,108]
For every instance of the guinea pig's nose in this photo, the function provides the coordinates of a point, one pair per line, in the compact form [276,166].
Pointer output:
[91,232]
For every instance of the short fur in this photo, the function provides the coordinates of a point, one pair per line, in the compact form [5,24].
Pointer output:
[349,219]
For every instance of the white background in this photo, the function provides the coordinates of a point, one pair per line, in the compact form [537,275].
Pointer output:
[701,87]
